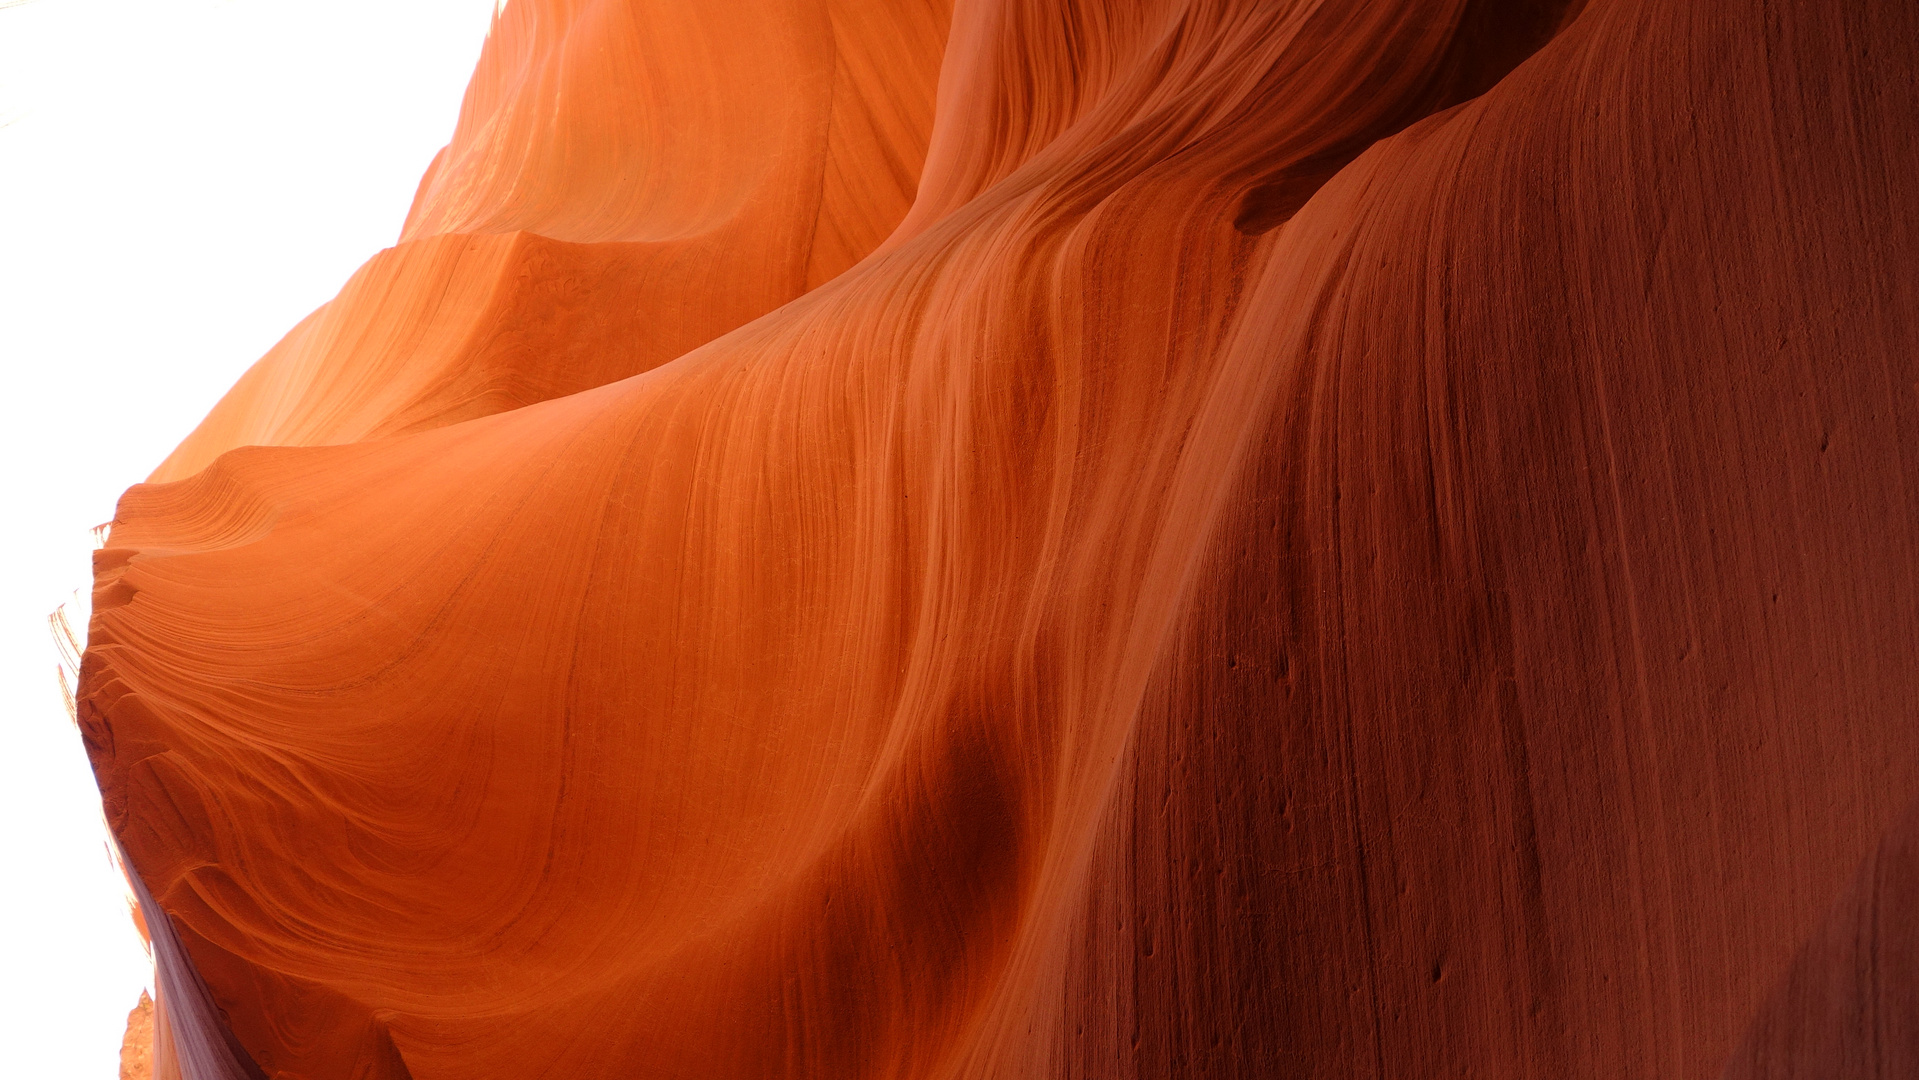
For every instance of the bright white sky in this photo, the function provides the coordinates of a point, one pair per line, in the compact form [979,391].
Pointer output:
[180,182]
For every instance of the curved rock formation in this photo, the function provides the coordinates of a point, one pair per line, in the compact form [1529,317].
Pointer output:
[1331,539]
[628,180]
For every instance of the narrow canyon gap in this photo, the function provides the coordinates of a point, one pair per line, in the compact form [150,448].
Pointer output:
[1012,538]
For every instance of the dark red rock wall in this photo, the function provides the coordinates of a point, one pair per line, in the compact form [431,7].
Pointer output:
[1334,539]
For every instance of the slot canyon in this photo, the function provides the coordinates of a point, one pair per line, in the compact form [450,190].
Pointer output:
[1118,539]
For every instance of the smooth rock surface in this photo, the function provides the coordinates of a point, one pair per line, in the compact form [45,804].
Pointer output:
[1329,539]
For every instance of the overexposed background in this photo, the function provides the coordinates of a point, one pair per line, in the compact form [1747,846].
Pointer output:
[180,182]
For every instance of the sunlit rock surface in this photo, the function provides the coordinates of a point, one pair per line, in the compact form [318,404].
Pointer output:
[1167,538]
[136,1050]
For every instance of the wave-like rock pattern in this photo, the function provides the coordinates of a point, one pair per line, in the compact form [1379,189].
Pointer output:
[1329,539]
[628,181]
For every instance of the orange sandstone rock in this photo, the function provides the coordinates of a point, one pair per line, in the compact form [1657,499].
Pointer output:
[1334,539]
[136,1049]
[628,180]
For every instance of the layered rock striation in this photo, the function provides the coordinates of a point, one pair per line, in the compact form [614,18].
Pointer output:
[1061,538]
